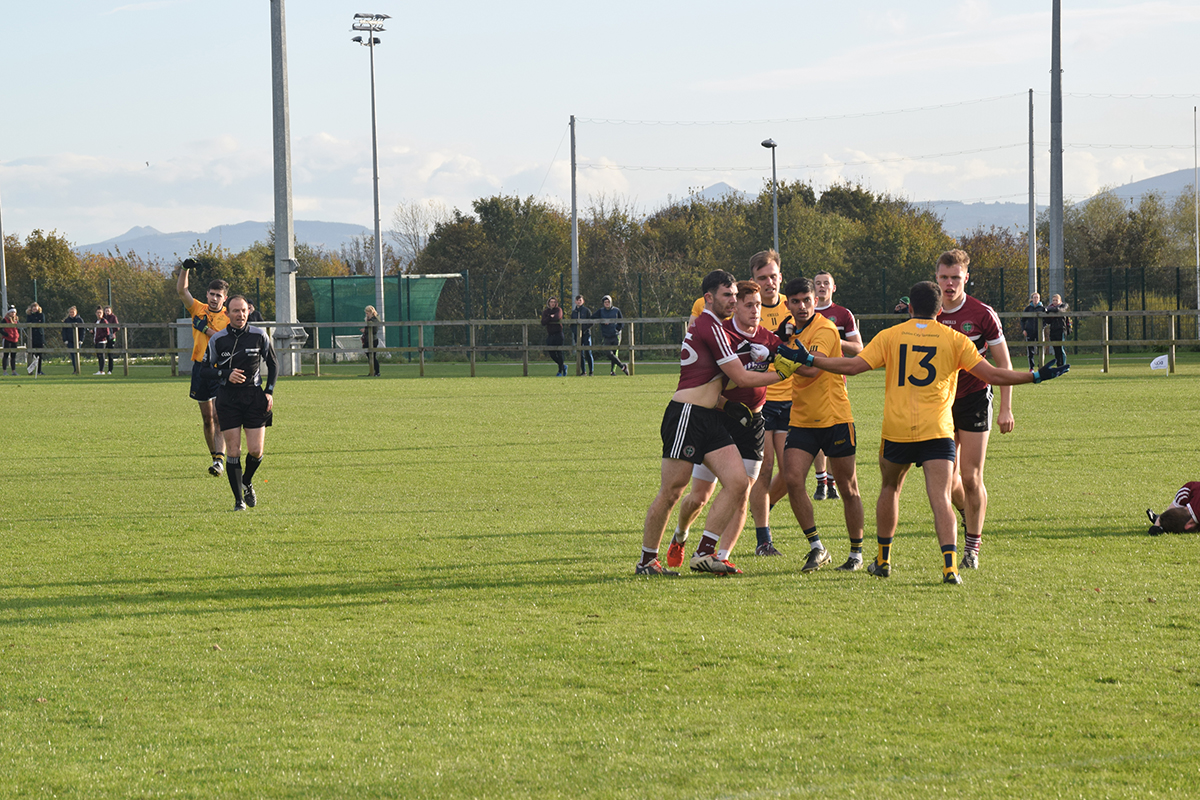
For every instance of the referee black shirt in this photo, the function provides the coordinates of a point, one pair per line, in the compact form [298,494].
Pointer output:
[247,349]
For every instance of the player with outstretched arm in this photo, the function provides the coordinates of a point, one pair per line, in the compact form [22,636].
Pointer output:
[923,359]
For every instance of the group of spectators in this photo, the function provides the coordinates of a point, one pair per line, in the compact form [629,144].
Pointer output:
[103,336]
[610,334]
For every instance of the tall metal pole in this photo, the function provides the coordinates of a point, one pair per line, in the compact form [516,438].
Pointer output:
[770,144]
[3,272]
[1033,282]
[574,225]
[1195,208]
[285,248]
[375,167]
[1056,277]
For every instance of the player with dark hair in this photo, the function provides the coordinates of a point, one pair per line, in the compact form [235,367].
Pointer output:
[207,319]
[742,405]
[694,432]
[1182,516]
[923,360]
[234,359]
[973,397]
[820,422]
[851,340]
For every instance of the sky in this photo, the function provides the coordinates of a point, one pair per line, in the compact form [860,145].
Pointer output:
[158,113]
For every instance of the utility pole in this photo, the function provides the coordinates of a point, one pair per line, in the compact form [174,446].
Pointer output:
[574,226]
[1056,278]
[1033,276]
[285,235]
[3,273]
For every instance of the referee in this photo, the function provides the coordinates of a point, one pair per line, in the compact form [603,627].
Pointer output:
[235,357]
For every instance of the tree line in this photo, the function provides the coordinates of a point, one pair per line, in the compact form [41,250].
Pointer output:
[516,253]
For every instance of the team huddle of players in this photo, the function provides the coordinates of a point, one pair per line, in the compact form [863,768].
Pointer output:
[762,383]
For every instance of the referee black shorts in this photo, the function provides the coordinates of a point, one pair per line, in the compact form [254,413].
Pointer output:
[242,408]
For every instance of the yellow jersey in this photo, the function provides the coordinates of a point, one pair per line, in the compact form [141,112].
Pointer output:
[923,358]
[819,402]
[216,322]
[698,307]
[772,316]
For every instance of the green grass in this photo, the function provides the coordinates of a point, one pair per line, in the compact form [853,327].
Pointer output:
[435,599]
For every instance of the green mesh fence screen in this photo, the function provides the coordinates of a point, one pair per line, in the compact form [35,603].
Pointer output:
[406,298]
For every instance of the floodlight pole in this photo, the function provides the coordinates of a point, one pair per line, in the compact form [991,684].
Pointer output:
[285,247]
[1195,209]
[3,273]
[372,24]
[770,144]
[574,225]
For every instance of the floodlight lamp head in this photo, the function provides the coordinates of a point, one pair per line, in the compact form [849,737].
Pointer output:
[357,39]
[769,143]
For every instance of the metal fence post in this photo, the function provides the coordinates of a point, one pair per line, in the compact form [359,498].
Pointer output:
[525,349]
[1104,336]
[471,341]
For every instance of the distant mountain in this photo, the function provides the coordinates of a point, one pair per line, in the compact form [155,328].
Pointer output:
[1170,185]
[959,219]
[153,245]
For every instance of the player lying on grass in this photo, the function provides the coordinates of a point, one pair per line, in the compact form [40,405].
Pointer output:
[1182,516]
[922,358]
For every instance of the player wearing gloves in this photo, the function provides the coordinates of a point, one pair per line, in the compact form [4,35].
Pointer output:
[821,422]
[694,432]
[743,418]
[922,358]
[207,319]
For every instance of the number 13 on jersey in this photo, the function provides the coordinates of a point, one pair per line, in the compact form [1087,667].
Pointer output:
[927,355]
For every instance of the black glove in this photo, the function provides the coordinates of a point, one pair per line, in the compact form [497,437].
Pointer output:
[739,413]
[1049,372]
[796,352]
[190,263]
[786,328]
[200,324]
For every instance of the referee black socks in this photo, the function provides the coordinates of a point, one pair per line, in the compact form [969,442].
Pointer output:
[252,463]
[233,469]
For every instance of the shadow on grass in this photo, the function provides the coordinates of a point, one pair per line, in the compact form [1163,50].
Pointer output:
[149,597]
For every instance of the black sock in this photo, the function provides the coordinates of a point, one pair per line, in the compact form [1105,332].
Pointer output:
[252,463]
[233,469]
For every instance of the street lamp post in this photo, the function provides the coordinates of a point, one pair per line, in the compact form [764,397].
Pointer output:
[372,24]
[770,145]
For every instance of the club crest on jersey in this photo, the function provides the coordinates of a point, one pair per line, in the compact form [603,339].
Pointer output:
[967,327]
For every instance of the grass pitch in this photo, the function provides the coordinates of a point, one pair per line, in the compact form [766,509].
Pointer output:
[435,598]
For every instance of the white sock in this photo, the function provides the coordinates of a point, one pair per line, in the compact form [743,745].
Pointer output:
[722,555]
[680,536]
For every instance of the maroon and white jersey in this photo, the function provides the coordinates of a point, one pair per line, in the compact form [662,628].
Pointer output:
[752,396]
[978,322]
[841,317]
[1189,497]
[705,347]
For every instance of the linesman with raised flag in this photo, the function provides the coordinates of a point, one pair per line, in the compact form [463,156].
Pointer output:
[235,358]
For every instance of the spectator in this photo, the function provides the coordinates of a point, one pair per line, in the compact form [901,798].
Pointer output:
[255,315]
[587,361]
[552,321]
[1030,326]
[1059,325]
[72,336]
[37,337]
[11,335]
[901,306]
[101,335]
[610,332]
[370,339]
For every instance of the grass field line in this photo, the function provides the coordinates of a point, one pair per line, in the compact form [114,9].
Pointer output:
[975,774]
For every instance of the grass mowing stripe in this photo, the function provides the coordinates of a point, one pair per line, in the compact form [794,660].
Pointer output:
[435,598]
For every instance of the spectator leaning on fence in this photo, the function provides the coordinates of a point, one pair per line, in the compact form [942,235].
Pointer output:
[370,339]
[610,333]
[100,336]
[1030,327]
[1059,325]
[11,335]
[552,316]
[587,361]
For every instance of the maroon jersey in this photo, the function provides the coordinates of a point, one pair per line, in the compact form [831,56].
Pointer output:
[841,317]
[752,396]
[978,322]
[1189,497]
[705,347]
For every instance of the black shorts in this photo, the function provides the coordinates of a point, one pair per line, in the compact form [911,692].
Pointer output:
[918,452]
[973,412]
[776,414]
[750,440]
[691,432]
[242,408]
[203,388]
[836,441]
